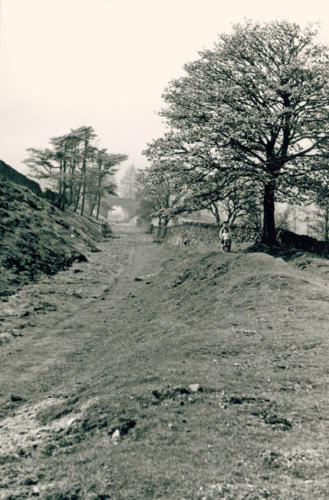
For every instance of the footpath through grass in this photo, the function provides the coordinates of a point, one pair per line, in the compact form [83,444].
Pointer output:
[177,374]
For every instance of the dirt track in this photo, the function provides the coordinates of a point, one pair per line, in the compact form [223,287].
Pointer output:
[52,333]
[63,317]
[93,350]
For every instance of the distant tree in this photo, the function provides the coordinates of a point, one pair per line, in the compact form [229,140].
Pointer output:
[99,177]
[242,200]
[287,218]
[214,208]
[66,152]
[317,218]
[203,184]
[65,166]
[74,167]
[318,222]
[127,184]
[256,108]
[158,196]
[146,210]
[43,165]
[86,135]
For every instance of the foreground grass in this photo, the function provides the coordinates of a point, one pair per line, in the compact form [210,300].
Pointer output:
[213,370]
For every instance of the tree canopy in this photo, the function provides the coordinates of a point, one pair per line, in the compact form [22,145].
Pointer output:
[254,109]
[158,195]
[78,170]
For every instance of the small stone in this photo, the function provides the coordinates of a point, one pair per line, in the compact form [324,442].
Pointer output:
[195,388]
[116,436]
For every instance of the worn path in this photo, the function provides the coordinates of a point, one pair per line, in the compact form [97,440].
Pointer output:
[66,316]
[53,332]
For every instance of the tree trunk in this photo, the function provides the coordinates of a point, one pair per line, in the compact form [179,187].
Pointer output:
[76,204]
[99,193]
[164,227]
[83,195]
[98,205]
[326,224]
[92,206]
[214,210]
[269,237]
[159,227]
[84,173]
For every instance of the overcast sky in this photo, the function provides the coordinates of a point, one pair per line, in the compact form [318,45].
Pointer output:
[105,63]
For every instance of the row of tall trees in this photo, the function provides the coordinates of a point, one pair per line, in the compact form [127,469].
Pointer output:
[76,169]
[249,120]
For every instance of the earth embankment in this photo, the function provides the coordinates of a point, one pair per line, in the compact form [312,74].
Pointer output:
[158,372]
[39,239]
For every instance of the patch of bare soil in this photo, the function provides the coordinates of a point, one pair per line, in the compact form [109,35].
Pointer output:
[153,372]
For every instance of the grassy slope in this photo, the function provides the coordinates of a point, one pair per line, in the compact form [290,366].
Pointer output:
[250,329]
[37,238]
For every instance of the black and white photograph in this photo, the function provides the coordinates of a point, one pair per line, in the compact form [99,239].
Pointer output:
[164,250]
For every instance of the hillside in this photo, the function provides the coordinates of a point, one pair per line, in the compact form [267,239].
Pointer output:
[162,372]
[37,238]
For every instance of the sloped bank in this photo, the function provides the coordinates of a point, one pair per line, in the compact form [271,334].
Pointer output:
[37,238]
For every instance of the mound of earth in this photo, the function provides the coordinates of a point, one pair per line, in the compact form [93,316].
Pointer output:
[313,262]
[213,284]
[37,238]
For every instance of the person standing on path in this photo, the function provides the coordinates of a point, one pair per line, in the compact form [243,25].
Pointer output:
[225,237]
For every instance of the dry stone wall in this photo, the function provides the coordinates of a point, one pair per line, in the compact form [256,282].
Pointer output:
[10,174]
[198,233]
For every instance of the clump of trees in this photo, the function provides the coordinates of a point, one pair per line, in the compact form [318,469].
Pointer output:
[248,122]
[158,195]
[76,169]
